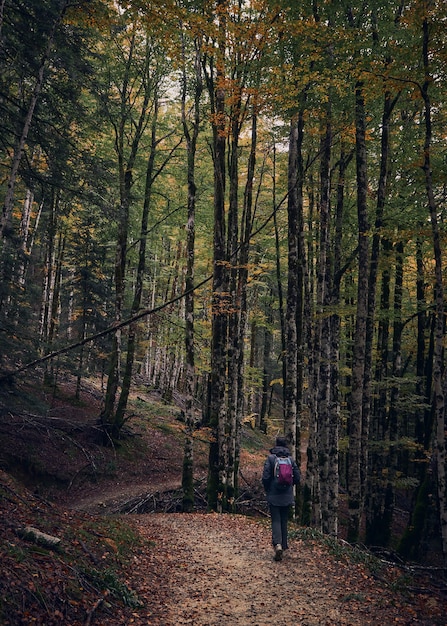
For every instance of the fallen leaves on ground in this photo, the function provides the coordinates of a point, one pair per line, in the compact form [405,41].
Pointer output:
[174,569]
[210,569]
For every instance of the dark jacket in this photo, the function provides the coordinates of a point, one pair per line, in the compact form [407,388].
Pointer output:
[283,497]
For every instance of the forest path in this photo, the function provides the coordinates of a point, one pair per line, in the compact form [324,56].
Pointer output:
[210,570]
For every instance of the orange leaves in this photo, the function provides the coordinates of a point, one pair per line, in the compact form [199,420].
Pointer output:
[91,14]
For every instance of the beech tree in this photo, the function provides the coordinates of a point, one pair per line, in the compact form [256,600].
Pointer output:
[438,366]
[229,72]
[129,99]
[191,128]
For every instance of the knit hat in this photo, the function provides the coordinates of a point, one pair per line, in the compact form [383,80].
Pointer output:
[281,442]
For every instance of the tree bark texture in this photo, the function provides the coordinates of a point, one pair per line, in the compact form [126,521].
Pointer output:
[439,385]
[356,461]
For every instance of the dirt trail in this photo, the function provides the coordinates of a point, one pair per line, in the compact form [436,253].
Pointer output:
[211,570]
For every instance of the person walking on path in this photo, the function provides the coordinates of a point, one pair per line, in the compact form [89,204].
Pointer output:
[279,492]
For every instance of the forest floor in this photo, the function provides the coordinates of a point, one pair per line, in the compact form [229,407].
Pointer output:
[127,556]
[211,569]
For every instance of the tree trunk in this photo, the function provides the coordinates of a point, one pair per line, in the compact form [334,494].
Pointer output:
[421,367]
[218,416]
[294,308]
[438,365]
[311,513]
[322,339]
[49,274]
[280,289]
[191,145]
[292,289]
[112,421]
[394,396]
[234,317]
[373,495]
[334,357]
[357,429]
[141,270]
[240,315]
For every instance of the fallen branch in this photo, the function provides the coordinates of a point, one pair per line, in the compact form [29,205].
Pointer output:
[8,376]
[255,508]
[200,496]
[13,492]
[90,554]
[97,604]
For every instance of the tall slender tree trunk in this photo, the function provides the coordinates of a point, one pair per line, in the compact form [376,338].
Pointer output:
[141,269]
[421,385]
[49,274]
[311,513]
[111,421]
[322,339]
[373,497]
[294,307]
[111,426]
[234,317]
[294,280]
[280,287]
[357,429]
[191,147]
[438,365]
[334,356]
[218,416]
[236,404]
[292,288]
[393,435]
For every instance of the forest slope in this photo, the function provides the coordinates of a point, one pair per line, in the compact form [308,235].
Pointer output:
[159,568]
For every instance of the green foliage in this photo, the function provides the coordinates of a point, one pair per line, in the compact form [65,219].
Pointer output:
[108,580]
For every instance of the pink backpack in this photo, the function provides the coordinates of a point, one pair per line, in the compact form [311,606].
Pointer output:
[283,471]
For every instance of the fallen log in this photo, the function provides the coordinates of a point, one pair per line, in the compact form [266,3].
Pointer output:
[36,536]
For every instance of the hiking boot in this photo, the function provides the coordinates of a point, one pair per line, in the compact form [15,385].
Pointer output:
[278,552]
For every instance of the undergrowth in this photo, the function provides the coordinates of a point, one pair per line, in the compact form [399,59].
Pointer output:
[340,550]
[63,584]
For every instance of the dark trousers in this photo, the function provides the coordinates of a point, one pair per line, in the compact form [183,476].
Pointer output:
[280,517]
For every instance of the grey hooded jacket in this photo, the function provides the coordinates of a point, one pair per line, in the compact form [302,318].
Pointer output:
[274,496]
